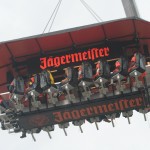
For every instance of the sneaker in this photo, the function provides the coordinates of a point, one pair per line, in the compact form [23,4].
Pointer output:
[23,135]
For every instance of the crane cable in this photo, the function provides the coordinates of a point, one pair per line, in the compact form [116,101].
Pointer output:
[53,14]
[93,13]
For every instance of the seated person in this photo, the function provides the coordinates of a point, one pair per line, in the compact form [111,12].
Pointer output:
[11,87]
[135,65]
[121,66]
[30,84]
[16,89]
[68,76]
[132,63]
[85,71]
[47,81]
[80,75]
[34,83]
[33,93]
[97,70]
[49,87]
[117,67]
[102,70]
[51,77]
[17,86]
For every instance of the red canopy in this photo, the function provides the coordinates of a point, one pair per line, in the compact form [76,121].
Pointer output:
[22,49]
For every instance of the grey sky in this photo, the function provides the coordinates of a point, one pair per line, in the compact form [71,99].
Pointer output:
[29,17]
[21,18]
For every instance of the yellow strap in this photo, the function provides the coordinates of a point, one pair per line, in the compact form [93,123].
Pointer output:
[51,77]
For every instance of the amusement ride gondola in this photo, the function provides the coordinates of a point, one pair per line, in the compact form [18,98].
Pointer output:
[91,73]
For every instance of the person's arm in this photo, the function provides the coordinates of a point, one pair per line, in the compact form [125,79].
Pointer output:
[116,70]
[1,100]
[132,66]
[65,80]
[80,75]
[96,75]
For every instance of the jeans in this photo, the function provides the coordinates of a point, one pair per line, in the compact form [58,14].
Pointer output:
[59,87]
[5,104]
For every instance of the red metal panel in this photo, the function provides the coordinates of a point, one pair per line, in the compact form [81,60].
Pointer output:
[143,28]
[3,89]
[3,75]
[6,96]
[55,42]
[88,35]
[23,47]
[4,55]
[119,28]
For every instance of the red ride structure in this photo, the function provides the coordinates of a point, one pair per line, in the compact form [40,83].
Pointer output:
[90,73]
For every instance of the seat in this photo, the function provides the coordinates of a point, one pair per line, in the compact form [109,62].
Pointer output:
[102,76]
[85,77]
[119,74]
[70,86]
[48,87]
[6,121]
[79,123]
[64,126]
[35,90]
[136,69]
[8,126]
[17,93]
[52,94]
[4,117]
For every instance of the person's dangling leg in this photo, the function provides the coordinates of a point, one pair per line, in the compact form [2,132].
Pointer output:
[23,134]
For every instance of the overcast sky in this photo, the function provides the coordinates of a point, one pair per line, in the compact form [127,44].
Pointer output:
[22,18]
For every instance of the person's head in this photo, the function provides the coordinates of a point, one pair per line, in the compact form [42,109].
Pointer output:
[67,70]
[133,59]
[30,81]
[98,65]
[117,64]
[1,99]
[80,68]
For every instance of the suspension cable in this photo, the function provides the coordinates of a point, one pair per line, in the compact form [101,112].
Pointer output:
[93,13]
[51,16]
[55,15]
